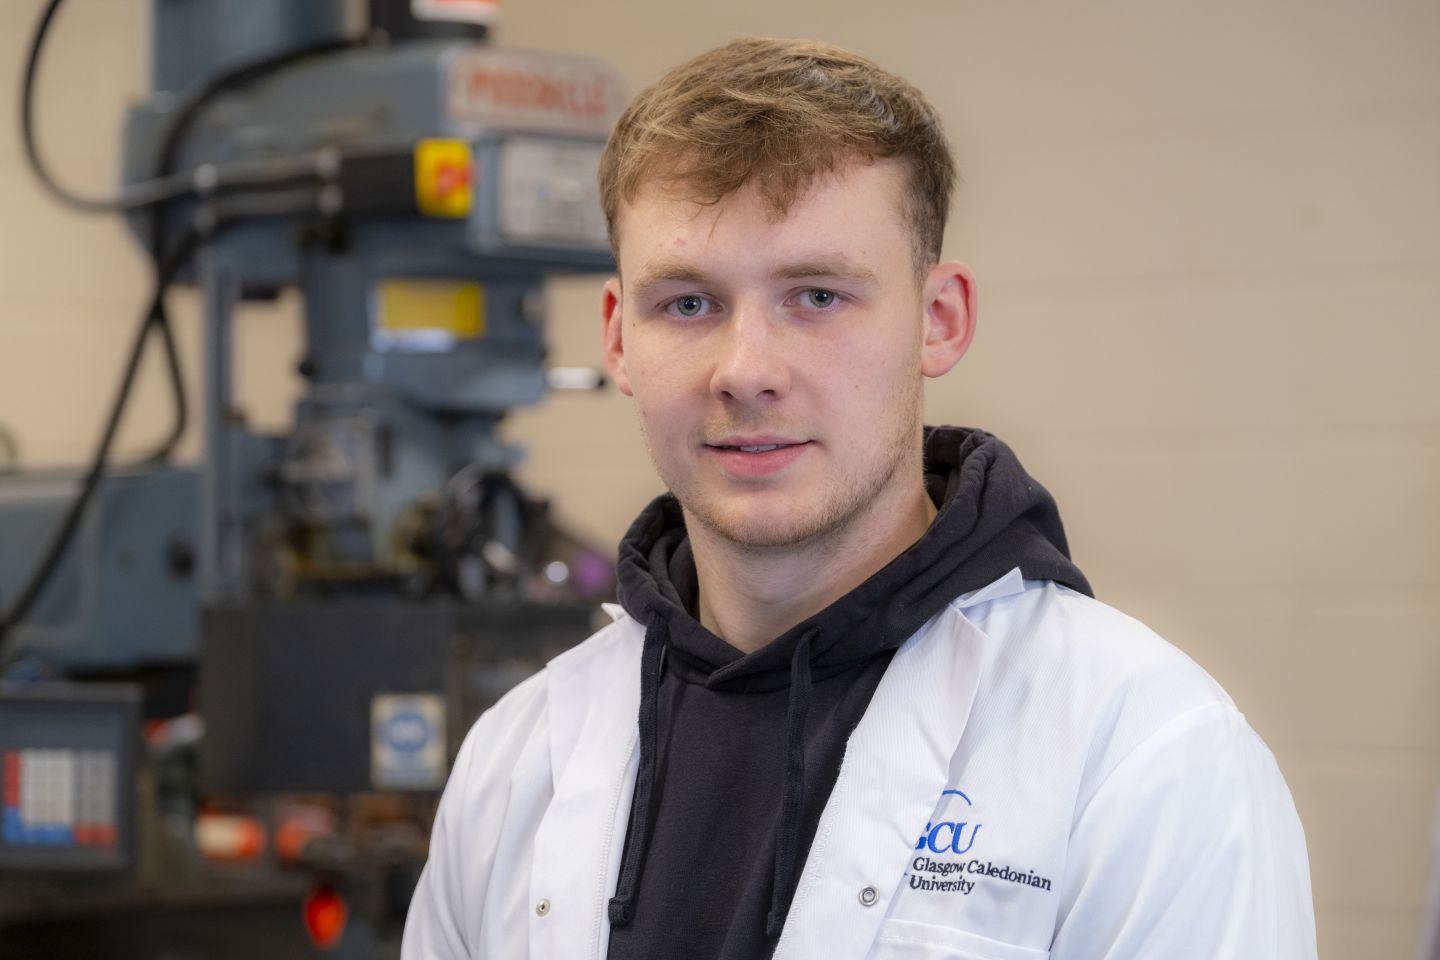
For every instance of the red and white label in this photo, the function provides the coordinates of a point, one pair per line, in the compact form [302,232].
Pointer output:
[466,11]
[521,90]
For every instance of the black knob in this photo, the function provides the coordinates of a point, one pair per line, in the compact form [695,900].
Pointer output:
[180,559]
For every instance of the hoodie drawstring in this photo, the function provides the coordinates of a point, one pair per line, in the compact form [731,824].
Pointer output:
[652,656]
[792,801]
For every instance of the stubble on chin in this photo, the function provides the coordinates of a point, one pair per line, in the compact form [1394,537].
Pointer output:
[839,502]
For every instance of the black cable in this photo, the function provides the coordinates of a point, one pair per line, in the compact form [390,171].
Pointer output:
[172,264]
[179,402]
[156,193]
[164,187]
[27,122]
[141,194]
[94,205]
[221,215]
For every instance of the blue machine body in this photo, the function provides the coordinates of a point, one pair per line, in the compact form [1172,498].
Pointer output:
[422,329]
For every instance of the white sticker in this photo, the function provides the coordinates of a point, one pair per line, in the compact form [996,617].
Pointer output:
[407,741]
[468,11]
[549,195]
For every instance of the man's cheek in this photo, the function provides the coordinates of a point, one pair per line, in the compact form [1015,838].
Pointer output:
[660,379]
[642,363]
[659,409]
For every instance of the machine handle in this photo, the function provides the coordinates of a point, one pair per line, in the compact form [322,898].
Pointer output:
[575,378]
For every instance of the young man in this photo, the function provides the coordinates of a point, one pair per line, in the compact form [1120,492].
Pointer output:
[857,701]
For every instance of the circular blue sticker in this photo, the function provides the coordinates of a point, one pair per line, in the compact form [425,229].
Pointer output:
[407,731]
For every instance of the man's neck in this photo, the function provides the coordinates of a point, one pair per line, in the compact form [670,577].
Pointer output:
[750,596]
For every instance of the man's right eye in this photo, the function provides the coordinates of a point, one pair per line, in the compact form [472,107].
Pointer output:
[690,305]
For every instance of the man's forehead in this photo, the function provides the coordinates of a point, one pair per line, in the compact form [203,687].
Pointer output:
[671,205]
[670,196]
[680,179]
[836,228]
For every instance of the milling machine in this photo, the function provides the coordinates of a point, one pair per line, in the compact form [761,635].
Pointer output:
[340,601]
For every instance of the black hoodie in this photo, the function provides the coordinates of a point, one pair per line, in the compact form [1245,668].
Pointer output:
[739,752]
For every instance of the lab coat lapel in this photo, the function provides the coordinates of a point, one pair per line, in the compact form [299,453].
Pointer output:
[594,751]
[896,764]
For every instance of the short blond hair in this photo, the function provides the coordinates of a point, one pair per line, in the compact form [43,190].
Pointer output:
[778,114]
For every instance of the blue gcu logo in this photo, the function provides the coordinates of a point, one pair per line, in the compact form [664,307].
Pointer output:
[949,836]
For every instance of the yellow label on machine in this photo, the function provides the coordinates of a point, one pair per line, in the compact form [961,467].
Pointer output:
[450,308]
[444,178]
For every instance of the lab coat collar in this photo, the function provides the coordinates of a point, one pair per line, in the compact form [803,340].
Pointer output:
[1008,585]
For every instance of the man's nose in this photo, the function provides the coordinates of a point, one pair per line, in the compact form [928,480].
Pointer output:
[751,363]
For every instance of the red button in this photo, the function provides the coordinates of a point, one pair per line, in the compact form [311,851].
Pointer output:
[12,778]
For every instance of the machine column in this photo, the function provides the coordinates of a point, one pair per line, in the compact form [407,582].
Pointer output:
[221,532]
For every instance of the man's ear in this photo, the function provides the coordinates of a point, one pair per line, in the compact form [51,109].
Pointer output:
[612,340]
[949,301]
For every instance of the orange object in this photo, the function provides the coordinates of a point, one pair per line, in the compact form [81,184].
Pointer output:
[300,823]
[225,836]
[325,916]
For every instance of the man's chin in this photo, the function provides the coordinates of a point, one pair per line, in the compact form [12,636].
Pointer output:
[761,526]
[761,536]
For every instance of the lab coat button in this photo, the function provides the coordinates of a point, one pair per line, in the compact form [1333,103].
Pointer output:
[868,896]
[542,908]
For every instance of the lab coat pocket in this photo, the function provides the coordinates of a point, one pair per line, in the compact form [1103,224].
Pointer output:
[926,941]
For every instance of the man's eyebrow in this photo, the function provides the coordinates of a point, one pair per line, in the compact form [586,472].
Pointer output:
[669,271]
[679,271]
[840,269]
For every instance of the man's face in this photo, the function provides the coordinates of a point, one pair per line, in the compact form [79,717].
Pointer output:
[775,363]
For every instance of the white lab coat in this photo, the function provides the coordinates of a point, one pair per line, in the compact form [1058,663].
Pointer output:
[1036,776]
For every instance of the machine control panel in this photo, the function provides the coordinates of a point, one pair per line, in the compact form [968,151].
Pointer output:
[67,776]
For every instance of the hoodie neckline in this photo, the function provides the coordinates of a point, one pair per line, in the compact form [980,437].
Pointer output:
[991,517]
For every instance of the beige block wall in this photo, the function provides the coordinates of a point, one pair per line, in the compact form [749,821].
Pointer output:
[1207,239]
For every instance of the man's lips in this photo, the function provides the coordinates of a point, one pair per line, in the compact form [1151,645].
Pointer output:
[756,456]
[760,444]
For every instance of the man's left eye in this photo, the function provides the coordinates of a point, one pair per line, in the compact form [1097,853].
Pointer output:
[819,298]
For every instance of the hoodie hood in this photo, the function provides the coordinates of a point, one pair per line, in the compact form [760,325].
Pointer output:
[993,517]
